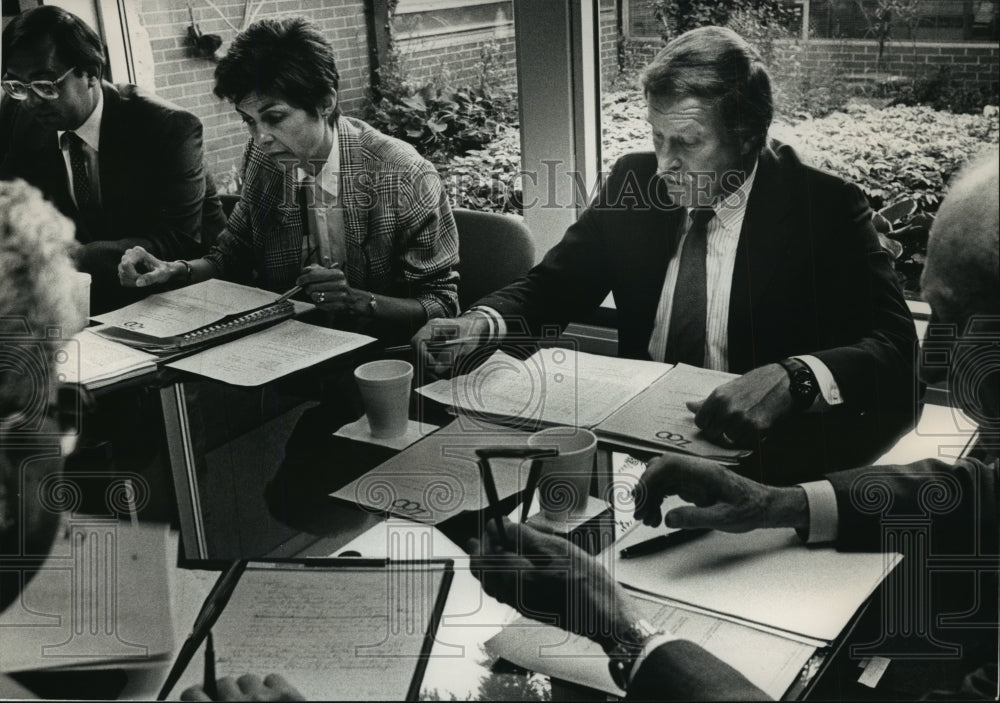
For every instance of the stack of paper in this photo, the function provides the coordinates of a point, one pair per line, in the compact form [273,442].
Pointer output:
[640,404]
[95,362]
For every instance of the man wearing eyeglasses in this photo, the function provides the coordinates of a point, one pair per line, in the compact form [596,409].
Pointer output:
[124,165]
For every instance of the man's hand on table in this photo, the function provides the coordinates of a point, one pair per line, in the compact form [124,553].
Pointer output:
[723,500]
[442,343]
[140,269]
[548,578]
[737,413]
[248,687]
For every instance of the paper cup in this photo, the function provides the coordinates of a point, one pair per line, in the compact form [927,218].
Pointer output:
[564,480]
[81,295]
[385,393]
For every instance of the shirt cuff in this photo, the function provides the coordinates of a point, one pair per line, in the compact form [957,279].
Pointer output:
[651,644]
[823,519]
[829,391]
[498,327]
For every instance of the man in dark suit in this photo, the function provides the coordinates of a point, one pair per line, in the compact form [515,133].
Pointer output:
[856,509]
[126,166]
[724,251]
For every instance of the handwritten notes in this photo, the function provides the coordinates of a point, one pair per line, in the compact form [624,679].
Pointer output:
[345,633]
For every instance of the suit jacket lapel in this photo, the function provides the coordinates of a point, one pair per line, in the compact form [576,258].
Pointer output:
[764,240]
[110,157]
[355,212]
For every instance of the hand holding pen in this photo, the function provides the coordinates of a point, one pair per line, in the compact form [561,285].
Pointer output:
[326,286]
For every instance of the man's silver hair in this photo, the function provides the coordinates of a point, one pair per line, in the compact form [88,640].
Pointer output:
[36,275]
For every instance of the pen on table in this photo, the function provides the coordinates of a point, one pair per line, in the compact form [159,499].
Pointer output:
[210,685]
[436,343]
[661,542]
[210,611]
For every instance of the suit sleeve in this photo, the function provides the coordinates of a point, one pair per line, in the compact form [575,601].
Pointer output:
[875,370]
[960,501]
[174,230]
[233,251]
[430,252]
[571,280]
[680,670]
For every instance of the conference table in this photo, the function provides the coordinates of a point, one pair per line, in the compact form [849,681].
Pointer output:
[251,471]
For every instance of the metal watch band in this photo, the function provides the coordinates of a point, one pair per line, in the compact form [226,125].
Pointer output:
[626,650]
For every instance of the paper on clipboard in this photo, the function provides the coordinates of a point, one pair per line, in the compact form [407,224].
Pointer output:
[360,630]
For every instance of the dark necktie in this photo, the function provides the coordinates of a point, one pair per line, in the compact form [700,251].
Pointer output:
[686,336]
[81,177]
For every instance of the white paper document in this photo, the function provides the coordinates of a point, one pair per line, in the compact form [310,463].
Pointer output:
[768,577]
[270,354]
[335,634]
[553,386]
[769,661]
[189,308]
[438,477]
[94,361]
[659,416]
[100,598]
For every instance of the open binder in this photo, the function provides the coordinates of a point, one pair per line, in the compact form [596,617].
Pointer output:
[339,628]
[228,327]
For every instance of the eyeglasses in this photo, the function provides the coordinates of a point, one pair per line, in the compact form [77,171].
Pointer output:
[61,417]
[47,90]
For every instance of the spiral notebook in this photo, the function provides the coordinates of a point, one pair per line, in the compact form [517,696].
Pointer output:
[228,327]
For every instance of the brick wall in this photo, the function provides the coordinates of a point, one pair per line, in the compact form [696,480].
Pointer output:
[458,56]
[187,80]
[608,41]
[972,64]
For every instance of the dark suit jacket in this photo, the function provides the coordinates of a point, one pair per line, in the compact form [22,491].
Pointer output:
[810,278]
[960,505]
[152,176]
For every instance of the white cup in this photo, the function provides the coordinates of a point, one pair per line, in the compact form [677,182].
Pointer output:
[81,296]
[385,393]
[564,480]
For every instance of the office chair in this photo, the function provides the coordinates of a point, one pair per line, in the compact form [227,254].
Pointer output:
[493,249]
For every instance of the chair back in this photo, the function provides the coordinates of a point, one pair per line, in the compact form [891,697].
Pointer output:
[493,250]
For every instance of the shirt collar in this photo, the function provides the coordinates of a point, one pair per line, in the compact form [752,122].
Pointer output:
[730,210]
[90,130]
[330,173]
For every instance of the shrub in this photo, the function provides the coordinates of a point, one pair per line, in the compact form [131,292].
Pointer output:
[441,122]
[942,92]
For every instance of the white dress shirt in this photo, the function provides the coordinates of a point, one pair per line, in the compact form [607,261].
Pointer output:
[90,133]
[723,237]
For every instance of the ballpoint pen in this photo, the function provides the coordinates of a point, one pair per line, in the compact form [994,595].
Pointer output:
[209,684]
[210,611]
[288,294]
[661,542]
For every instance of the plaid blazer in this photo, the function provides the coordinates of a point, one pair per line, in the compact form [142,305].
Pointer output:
[400,235]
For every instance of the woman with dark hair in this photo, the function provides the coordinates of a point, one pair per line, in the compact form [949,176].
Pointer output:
[357,218]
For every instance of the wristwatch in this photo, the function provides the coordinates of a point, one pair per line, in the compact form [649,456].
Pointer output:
[628,645]
[372,305]
[804,387]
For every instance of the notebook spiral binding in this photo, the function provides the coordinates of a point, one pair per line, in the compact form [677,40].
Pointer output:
[247,320]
